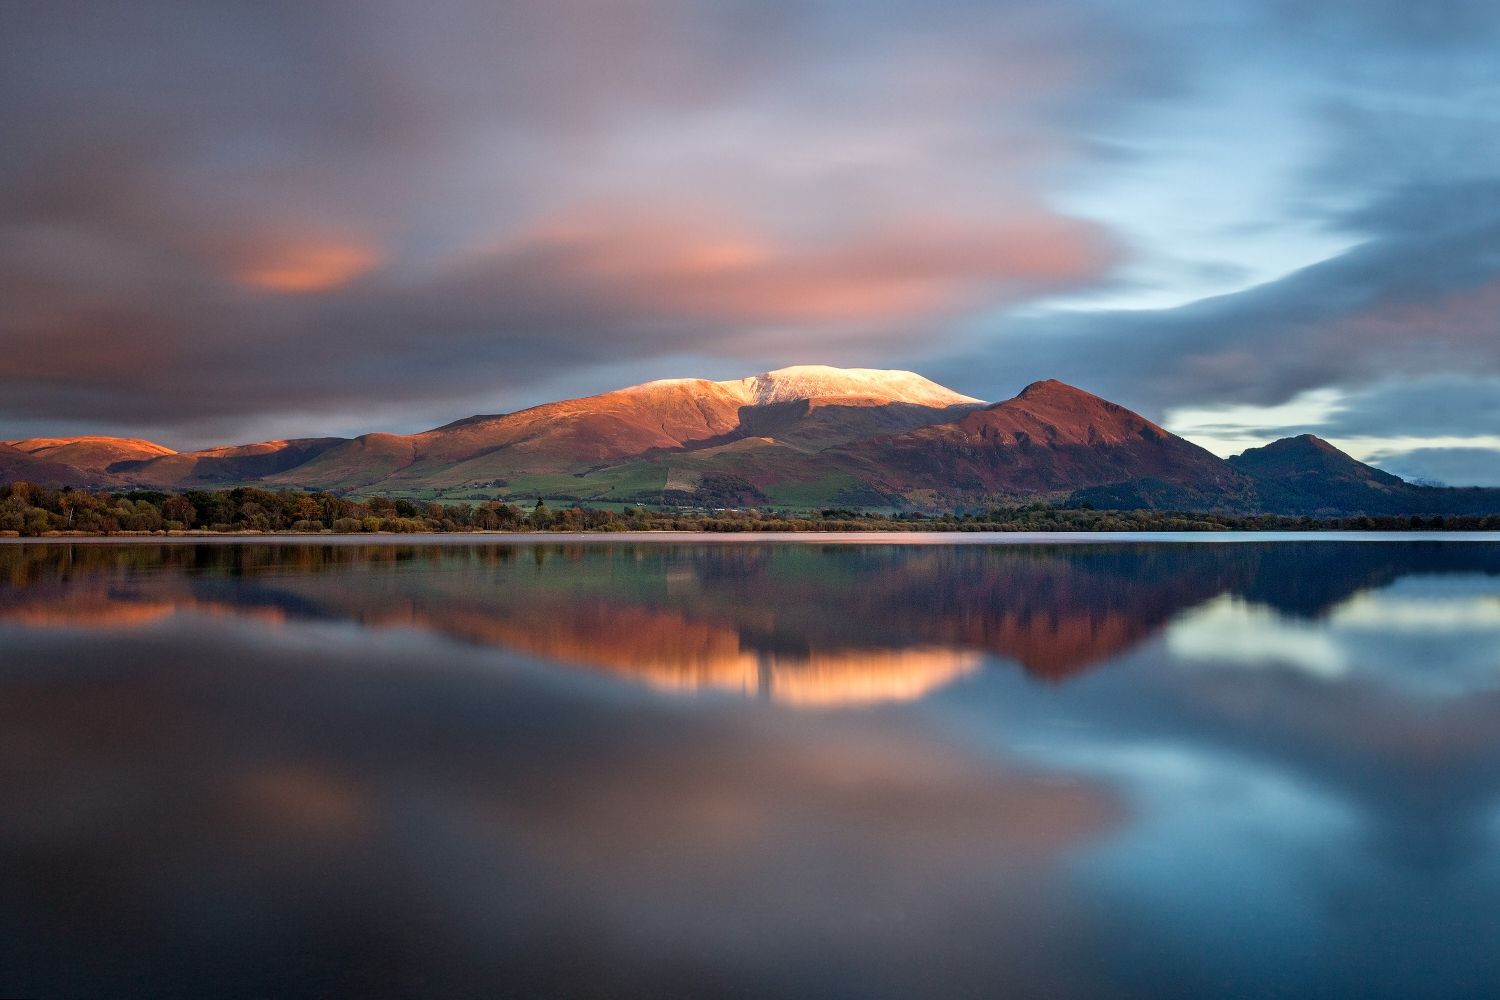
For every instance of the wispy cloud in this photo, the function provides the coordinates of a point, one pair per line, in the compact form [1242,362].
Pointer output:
[215,216]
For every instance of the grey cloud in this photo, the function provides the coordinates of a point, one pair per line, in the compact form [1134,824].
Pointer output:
[1410,299]
[173,170]
[1445,466]
[211,212]
[1434,406]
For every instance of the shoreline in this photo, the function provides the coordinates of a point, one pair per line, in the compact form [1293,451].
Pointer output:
[744,537]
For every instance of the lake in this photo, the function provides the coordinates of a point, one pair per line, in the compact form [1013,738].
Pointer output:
[830,767]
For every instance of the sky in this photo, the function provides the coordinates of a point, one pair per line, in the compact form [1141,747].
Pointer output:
[1243,218]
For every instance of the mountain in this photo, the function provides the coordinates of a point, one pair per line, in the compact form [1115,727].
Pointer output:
[90,454]
[17,465]
[1307,475]
[820,382]
[552,438]
[621,441]
[123,462]
[1311,460]
[807,436]
[229,465]
[1049,439]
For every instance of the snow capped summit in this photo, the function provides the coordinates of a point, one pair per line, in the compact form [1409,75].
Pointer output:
[825,381]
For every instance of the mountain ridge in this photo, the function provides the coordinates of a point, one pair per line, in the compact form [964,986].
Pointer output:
[807,435]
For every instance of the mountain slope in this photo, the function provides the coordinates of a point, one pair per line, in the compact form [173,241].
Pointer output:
[1307,475]
[21,466]
[91,454]
[229,465]
[822,382]
[1051,438]
[577,436]
[1310,459]
[806,436]
[556,437]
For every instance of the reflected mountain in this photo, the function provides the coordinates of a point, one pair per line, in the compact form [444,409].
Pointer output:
[1128,770]
[805,625]
[214,814]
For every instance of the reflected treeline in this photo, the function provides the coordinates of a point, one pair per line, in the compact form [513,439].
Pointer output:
[800,623]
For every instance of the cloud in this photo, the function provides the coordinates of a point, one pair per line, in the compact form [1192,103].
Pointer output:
[678,266]
[212,216]
[1426,406]
[1364,137]
[303,266]
[227,221]
[1432,428]
[1445,466]
[1391,348]
[1418,296]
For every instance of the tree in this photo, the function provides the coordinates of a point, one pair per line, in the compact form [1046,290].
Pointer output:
[307,508]
[178,508]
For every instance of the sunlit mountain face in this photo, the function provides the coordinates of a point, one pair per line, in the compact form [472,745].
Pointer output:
[1262,768]
[803,436]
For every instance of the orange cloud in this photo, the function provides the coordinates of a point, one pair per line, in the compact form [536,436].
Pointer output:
[313,267]
[678,263]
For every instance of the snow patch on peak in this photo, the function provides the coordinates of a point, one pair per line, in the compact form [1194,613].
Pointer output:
[661,383]
[825,381]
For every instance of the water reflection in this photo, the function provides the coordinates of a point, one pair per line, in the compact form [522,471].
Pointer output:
[793,623]
[1122,770]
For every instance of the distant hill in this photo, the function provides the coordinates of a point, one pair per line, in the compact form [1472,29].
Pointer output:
[90,454]
[807,436]
[1307,475]
[227,466]
[17,465]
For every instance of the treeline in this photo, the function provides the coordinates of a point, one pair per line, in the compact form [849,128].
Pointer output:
[30,510]
[37,510]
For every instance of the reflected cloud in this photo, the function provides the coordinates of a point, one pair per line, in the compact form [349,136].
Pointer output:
[305,800]
[1442,614]
[761,620]
[1283,755]
[1231,630]
[1412,636]
[442,825]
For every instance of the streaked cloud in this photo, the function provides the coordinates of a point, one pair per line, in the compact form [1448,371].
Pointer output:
[223,222]
[311,267]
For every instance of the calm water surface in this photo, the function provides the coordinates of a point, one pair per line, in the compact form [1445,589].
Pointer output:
[699,769]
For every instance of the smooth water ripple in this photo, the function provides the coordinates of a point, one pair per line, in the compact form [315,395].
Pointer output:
[1154,769]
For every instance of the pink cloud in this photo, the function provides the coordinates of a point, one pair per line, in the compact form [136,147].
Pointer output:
[679,264]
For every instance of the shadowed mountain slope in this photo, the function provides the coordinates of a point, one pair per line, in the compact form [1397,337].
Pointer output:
[1051,438]
[223,466]
[1307,475]
[91,454]
[21,466]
